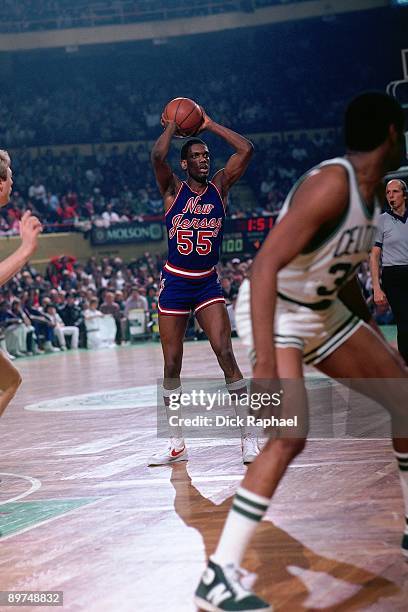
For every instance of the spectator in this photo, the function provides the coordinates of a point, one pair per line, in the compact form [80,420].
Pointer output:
[92,312]
[61,330]
[13,328]
[43,326]
[151,298]
[38,195]
[110,307]
[136,300]
[72,316]
[29,345]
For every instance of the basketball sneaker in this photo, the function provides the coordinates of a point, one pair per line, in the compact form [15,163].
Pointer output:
[404,543]
[220,590]
[175,452]
[250,448]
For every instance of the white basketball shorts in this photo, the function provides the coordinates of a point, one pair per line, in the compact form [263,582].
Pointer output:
[316,333]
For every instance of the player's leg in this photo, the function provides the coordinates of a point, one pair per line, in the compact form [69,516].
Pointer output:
[394,283]
[215,322]
[10,380]
[264,474]
[172,332]
[366,356]
[253,497]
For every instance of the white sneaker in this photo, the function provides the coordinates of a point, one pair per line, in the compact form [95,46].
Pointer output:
[176,451]
[223,588]
[49,348]
[250,448]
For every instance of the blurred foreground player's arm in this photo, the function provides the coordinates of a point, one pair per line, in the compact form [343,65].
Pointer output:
[167,181]
[30,227]
[318,203]
[237,163]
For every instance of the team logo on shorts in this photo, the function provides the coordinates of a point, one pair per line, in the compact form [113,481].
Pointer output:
[162,281]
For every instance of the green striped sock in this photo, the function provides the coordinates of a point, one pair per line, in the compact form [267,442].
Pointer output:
[247,510]
[402,459]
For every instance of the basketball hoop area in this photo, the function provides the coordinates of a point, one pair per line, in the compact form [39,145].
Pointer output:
[399,90]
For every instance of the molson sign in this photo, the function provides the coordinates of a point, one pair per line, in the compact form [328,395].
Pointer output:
[123,233]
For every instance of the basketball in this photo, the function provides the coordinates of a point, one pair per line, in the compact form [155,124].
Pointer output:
[186,113]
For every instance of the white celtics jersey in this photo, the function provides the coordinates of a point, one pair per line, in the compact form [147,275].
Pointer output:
[316,275]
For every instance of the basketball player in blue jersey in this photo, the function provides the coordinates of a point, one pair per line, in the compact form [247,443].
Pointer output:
[303,305]
[195,213]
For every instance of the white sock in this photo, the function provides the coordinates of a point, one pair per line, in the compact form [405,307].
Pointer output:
[174,430]
[402,459]
[247,510]
[238,388]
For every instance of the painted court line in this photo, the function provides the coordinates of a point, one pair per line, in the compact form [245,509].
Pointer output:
[97,446]
[35,485]
[108,469]
[52,518]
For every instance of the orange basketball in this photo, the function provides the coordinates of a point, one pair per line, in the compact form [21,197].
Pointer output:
[186,113]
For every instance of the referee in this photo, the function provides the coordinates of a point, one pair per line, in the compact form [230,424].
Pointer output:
[391,246]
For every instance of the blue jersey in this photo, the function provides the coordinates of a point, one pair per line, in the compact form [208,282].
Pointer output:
[195,225]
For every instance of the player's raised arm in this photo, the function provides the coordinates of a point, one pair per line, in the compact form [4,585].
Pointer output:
[318,202]
[167,181]
[238,162]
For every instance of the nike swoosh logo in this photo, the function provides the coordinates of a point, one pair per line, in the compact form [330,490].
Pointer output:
[175,453]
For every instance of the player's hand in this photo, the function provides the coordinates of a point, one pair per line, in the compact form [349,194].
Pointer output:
[379,297]
[207,121]
[166,123]
[173,126]
[30,228]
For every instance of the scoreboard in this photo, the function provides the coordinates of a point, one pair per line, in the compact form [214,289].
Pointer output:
[245,235]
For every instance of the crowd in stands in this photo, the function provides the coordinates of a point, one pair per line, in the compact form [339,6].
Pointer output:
[71,190]
[267,82]
[61,309]
[256,80]
[58,309]
[25,15]
[276,168]
[84,110]
[116,184]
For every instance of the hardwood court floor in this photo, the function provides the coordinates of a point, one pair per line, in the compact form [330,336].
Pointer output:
[80,512]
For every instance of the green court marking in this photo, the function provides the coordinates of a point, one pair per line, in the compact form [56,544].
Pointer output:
[390,332]
[19,516]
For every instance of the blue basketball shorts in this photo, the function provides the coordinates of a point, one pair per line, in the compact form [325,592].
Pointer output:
[179,296]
